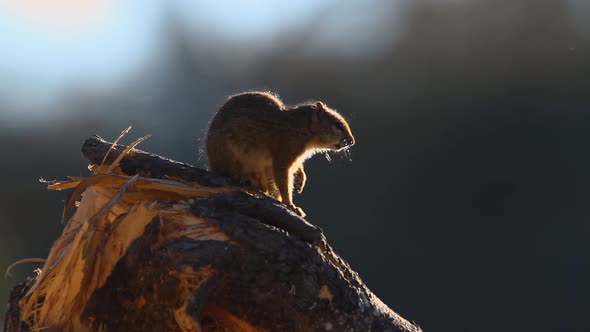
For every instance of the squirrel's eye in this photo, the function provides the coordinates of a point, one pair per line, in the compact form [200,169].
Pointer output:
[339,126]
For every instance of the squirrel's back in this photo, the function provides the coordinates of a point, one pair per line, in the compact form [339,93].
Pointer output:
[253,120]
[243,132]
[256,100]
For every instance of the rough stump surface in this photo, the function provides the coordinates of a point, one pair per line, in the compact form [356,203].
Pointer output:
[158,245]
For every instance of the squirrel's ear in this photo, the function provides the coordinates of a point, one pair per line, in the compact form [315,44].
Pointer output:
[320,106]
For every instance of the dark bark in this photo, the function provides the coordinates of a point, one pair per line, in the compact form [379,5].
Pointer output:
[150,165]
[12,321]
[277,273]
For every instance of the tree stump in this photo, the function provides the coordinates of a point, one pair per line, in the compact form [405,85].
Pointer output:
[159,245]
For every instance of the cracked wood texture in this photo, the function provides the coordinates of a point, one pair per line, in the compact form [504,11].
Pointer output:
[272,272]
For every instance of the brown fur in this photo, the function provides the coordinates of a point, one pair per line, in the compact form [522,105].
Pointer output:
[254,136]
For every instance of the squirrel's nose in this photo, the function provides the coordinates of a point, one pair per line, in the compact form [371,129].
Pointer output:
[347,141]
[351,141]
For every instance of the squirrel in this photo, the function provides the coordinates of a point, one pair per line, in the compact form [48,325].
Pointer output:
[255,137]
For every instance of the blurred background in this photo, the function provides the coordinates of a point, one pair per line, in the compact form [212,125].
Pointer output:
[466,204]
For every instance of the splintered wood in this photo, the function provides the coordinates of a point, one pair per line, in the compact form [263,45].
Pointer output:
[112,211]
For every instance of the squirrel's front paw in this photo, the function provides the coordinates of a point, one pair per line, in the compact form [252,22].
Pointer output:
[298,184]
[299,179]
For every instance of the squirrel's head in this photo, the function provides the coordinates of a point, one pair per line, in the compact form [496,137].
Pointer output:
[329,129]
